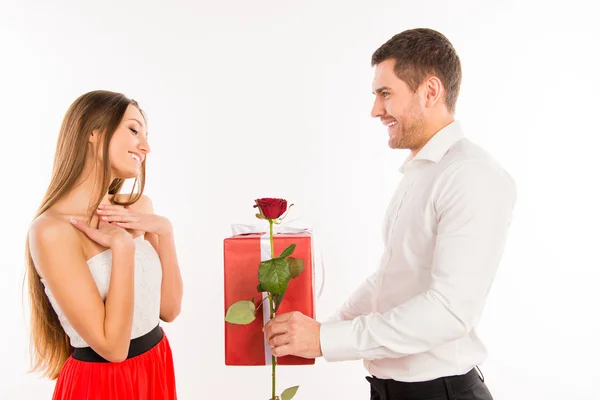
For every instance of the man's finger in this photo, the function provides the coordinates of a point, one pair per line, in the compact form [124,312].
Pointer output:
[276,329]
[281,351]
[278,319]
[272,321]
[283,317]
[280,340]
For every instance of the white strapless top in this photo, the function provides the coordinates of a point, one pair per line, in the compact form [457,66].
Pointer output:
[148,278]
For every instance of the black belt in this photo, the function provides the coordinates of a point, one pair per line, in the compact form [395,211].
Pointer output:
[137,346]
[394,390]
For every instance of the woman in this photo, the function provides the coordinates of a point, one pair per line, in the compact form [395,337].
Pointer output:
[102,266]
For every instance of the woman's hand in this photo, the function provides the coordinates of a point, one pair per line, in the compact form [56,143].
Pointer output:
[106,235]
[125,217]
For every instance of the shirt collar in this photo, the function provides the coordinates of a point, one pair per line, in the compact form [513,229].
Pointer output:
[437,146]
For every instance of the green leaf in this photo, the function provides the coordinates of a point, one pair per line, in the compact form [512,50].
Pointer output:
[260,289]
[296,266]
[289,393]
[288,251]
[277,299]
[274,275]
[241,313]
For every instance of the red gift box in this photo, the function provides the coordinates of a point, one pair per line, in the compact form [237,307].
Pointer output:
[245,344]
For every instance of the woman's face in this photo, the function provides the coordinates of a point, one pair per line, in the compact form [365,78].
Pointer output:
[129,145]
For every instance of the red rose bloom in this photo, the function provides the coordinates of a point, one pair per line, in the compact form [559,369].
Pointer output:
[271,208]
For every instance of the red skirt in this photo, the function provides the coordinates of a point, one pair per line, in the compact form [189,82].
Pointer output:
[148,376]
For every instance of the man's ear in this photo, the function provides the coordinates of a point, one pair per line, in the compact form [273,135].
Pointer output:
[434,91]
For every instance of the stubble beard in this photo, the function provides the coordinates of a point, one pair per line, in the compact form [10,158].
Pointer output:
[410,132]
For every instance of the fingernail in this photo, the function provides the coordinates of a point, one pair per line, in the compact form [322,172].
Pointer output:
[105,217]
[99,211]
[72,220]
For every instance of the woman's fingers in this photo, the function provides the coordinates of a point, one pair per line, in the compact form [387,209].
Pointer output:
[79,225]
[92,233]
[117,218]
[127,225]
[113,207]
[106,233]
[113,211]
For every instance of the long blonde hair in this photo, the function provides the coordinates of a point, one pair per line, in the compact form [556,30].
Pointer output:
[97,110]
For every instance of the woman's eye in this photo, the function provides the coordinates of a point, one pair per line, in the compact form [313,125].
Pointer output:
[133,130]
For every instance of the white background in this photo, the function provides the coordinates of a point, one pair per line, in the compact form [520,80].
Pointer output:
[272,98]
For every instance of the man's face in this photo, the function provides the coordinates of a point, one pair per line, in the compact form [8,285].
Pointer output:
[398,107]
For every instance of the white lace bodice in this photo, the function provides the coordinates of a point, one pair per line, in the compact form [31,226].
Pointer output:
[148,278]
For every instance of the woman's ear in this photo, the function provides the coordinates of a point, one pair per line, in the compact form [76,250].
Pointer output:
[94,136]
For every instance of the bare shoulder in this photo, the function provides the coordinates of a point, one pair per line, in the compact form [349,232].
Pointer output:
[48,230]
[143,204]
[49,233]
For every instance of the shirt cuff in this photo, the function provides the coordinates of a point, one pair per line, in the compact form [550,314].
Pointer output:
[337,341]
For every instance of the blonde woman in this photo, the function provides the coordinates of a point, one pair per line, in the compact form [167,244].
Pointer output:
[102,267]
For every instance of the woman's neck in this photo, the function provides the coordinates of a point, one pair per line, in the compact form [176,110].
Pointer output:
[79,201]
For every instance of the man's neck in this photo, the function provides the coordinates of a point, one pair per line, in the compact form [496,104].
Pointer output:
[431,129]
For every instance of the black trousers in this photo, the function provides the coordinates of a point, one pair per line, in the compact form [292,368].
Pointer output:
[469,386]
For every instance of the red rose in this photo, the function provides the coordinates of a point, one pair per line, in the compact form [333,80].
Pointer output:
[271,208]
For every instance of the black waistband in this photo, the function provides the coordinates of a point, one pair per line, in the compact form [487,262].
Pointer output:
[137,346]
[392,390]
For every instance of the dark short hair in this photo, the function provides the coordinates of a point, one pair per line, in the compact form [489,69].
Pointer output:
[420,53]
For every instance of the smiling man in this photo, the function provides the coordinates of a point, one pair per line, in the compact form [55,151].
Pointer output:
[413,321]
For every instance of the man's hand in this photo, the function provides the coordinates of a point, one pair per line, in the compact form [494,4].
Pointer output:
[294,334]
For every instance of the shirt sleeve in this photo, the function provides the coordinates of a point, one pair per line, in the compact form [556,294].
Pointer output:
[359,303]
[473,207]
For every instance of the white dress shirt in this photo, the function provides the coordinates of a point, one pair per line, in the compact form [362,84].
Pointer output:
[444,233]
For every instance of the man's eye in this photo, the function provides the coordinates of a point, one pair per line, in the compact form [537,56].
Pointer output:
[385,94]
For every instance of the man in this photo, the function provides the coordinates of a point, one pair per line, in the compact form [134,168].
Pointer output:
[413,321]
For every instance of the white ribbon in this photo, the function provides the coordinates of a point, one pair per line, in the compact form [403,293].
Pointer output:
[265,254]
[284,227]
